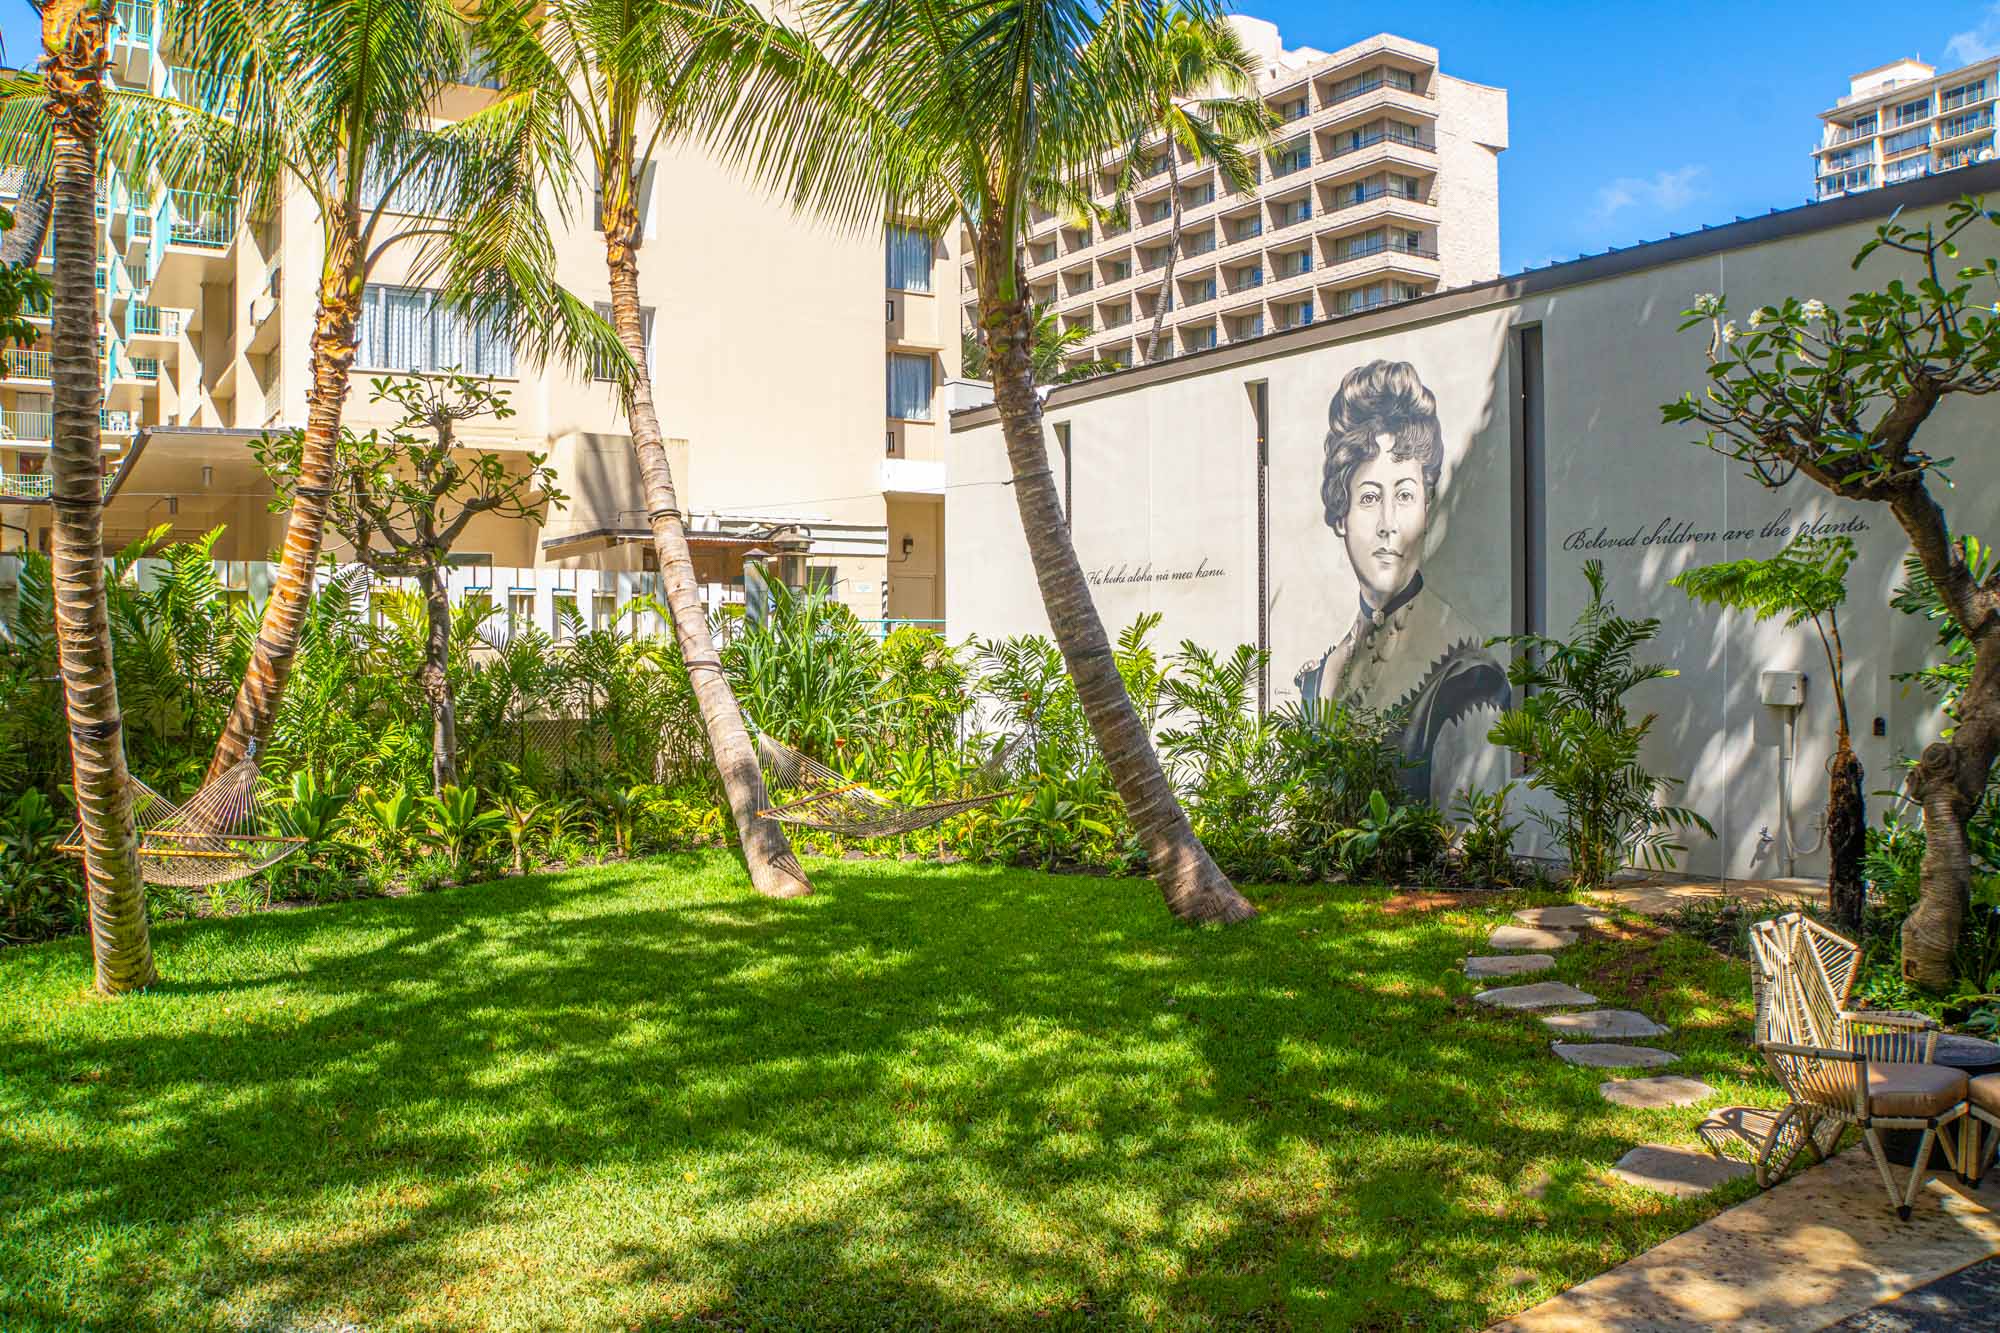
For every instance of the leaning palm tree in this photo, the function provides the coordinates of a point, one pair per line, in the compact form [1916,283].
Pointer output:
[334,99]
[1201,100]
[74,43]
[997,107]
[604,85]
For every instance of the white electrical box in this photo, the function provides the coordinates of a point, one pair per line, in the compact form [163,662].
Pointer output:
[1782,689]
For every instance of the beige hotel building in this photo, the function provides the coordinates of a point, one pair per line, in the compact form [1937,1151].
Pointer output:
[795,428]
[1904,120]
[1381,185]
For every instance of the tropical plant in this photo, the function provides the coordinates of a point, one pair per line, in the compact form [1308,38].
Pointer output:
[1225,758]
[1486,834]
[395,819]
[1840,397]
[624,807]
[402,499]
[1390,841]
[1334,757]
[455,824]
[350,129]
[38,891]
[521,813]
[1807,582]
[1054,351]
[988,111]
[808,675]
[74,54]
[1577,741]
[1199,100]
[604,85]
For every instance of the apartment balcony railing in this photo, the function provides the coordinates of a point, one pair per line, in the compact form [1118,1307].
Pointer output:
[1380,245]
[1848,133]
[26,365]
[1355,143]
[1291,162]
[1970,123]
[150,320]
[146,367]
[207,221]
[1348,92]
[21,424]
[1369,194]
[118,423]
[133,22]
[34,485]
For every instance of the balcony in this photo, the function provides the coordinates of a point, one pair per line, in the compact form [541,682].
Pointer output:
[1353,143]
[28,365]
[204,221]
[35,485]
[1381,245]
[20,424]
[150,321]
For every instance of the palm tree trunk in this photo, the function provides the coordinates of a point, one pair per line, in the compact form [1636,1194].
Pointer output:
[1949,781]
[305,528]
[73,34]
[1195,888]
[1166,301]
[767,853]
[436,679]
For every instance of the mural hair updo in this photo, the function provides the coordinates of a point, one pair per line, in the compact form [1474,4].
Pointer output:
[1380,398]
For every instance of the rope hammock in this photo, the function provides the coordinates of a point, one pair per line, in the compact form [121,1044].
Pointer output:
[815,796]
[222,834]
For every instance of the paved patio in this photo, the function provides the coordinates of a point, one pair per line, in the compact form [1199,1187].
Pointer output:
[1820,1248]
[1656,896]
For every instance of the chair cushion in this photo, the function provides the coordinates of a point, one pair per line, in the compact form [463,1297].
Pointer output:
[1913,1091]
[1984,1094]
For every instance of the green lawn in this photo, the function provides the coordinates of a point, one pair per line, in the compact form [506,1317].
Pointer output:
[632,1095]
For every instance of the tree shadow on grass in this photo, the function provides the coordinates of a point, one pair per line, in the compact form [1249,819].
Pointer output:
[921,1098]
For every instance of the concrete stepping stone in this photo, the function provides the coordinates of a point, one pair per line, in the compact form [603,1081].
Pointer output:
[1518,938]
[1569,914]
[1535,995]
[1681,1172]
[1613,1023]
[1661,1090]
[1508,964]
[1610,1055]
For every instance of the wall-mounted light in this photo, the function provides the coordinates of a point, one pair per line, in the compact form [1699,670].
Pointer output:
[909,544]
[207,476]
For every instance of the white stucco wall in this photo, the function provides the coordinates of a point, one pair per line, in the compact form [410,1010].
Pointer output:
[1164,479]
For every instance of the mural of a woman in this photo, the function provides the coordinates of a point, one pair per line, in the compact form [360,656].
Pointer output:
[1408,652]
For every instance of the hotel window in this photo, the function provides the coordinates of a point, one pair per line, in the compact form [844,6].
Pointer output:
[910,387]
[1292,157]
[1197,195]
[1157,211]
[1294,211]
[1117,270]
[1966,123]
[1202,338]
[909,257]
[1295,109]
[1250,326]
[520,607]
[1245,228]
[603,610]
[563,617]
[1908,139]
[1965,94]
[1293,264]
[1203,290]
[420,187]
[1911,112]
[402,328]
[1200,243]
[603,370]
[1253,276]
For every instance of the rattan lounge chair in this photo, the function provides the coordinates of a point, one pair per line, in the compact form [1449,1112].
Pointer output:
[1982,1119]
[1842,1067]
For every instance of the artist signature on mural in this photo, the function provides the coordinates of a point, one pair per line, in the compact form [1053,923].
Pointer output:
[1146,573]
[1671,531]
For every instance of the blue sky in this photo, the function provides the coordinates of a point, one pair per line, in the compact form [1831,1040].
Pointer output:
[1628,120]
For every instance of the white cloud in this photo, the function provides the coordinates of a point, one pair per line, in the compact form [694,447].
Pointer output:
[1976,43]
[1662,192]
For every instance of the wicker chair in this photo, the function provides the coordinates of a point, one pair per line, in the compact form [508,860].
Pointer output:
[1982,1100]
[1841,1067]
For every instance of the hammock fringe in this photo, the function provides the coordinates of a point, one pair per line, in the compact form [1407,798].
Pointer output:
[812,795]
[221,835]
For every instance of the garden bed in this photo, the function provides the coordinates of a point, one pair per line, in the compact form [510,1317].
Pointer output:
[960,1096]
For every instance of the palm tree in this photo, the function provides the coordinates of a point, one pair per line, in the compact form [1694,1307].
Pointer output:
[1053,346]
[1200,99]
[74,42]
[986,111]
[334,98]
[604,84]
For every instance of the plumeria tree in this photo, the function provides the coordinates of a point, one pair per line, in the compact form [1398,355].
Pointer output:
[1838,397]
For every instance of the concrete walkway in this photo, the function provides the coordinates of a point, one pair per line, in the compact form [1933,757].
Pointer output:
[1817,1249]
[1656,897]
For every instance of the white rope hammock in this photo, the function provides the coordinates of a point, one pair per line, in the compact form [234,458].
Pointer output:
[222,834]
[798,789]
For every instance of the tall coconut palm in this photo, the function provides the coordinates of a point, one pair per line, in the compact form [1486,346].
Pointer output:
[602,85]
[74,43]
[334,99]
[1200,100]
[997,107]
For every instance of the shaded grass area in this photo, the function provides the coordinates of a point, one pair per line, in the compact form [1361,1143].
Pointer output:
[632,1095]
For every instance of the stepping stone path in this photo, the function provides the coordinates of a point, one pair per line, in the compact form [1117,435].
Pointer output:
[1568,915]
[1681,1172]
[1647,1094]
[1517,938]
[1508,964]
[1612,1023]
[1536,995]
[1610,1055]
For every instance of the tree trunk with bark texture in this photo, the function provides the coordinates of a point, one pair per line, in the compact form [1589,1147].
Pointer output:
[305,528]
[1196,890]
[774,871]
[1173,251]
[1950,778]
[1846,837]
[73,35]
[435,678]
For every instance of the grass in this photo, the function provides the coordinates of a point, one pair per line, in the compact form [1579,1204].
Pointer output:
[633,1095]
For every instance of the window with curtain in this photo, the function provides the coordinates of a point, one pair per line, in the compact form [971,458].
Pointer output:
[403,328]
[910,387]
[909,256]
[602,370]
[426,188]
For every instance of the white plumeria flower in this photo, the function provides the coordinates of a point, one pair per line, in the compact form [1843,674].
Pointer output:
[1756,318]
[1707,303]
[1729,331]
[1814,309]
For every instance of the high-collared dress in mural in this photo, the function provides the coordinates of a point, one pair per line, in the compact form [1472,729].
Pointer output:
[1416,659]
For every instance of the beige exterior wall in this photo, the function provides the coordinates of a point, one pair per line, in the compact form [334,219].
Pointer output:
[1163,465]
[1393,192]
[768,371]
